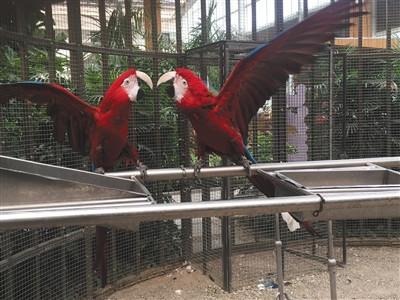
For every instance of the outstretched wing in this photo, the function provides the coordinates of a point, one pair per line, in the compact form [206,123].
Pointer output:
[259,75]
[71,115]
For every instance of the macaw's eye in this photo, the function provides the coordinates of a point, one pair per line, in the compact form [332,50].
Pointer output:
[126,81]
[184,82]
[140,95]
[170,91]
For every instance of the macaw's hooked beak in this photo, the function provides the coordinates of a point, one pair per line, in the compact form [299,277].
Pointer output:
[146,78]
[167,77]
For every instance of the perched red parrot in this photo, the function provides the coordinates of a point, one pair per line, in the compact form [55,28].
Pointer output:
[221,122]
[101,132]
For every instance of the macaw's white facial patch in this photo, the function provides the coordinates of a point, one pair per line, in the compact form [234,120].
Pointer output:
[131,87]
[180,86]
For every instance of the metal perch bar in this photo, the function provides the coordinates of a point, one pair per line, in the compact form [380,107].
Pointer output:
[105,215]
[188,173]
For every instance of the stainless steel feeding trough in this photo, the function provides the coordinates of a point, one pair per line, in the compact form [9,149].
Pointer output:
[336,181]
[32,188]
[34,194]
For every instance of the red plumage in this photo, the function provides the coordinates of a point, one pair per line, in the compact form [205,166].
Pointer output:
[221,122]
[101,132]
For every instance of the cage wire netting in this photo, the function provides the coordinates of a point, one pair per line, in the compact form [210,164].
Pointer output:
[85,45]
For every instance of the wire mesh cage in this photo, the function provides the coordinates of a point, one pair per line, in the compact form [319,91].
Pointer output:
[344,105]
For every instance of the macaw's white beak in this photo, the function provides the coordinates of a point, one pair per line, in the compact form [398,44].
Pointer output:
[165,77]
[146,78]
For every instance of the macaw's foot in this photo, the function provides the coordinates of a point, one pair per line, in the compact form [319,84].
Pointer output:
[99,170]
[197,167]
[142,169]
[246,164]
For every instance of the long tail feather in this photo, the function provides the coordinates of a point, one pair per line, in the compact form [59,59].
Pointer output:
[292,224]
[267,187]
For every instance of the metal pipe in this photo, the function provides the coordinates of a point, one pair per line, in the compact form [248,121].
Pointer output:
[128,30]
[280,262]
[203,18]
[76,55]
[277,228]
[305,9]
[183,173]
[279,269]
[228,20]
[344,113]
[105,70]
[389,75]
[279,124]
[254,20]
[344,244]
[331,74]
[50,34]
[226,253]
[360,82]
[79,206]
[178,26]
[258,206]
[331,262]
[122,201]
[359,189]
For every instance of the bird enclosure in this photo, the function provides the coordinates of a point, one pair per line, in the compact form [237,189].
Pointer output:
[345,105]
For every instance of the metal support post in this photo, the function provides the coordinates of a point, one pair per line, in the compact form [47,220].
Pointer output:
[228,20]
[344,244]
[331,74]
[305,9]
[278,238]
[105,69]
[279,260]
[279,129]
[227,224]
[279,268]
[254,20]
[227,253]
[345,108]
[331,262]
[277,228]
[389,75]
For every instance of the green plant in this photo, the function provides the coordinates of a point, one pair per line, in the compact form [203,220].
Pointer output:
[369,98]
[213,32]
[117,31]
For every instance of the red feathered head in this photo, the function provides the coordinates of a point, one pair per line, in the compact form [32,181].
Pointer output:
[118,82]
[126,87]
[195,84]
[186,84]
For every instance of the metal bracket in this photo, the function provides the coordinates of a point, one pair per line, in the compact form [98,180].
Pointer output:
[321,206]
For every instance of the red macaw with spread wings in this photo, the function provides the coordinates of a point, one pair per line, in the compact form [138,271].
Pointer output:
[221,122]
